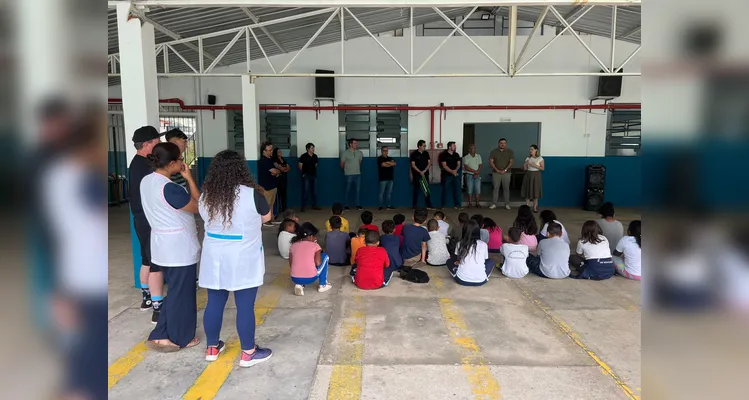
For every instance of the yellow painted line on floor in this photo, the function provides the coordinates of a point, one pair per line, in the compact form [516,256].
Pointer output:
[214,375]
[123,365]
[564,327]
[346,378]
[483,384]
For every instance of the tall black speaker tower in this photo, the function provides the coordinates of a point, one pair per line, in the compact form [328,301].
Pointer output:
[595,182]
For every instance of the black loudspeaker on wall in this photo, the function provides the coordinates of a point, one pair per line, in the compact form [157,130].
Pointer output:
[211,100]
[324,87]
[595,181]
[610,86]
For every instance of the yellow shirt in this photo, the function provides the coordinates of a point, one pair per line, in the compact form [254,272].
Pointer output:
[344,225]
[356,244]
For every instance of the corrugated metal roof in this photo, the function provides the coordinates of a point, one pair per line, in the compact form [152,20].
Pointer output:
[292,35]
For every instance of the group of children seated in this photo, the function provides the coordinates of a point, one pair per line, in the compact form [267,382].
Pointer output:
[464,249]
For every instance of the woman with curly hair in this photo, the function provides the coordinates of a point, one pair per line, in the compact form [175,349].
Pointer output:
[234,208]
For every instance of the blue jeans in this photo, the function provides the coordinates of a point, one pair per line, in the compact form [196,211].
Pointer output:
[451,186]
[473,183]
[355,182]
[386,193]
[322,273]
[214,315]
[309,190]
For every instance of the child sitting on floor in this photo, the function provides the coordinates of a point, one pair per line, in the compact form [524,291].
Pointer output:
[495,235]
[366,220]
[399,219]
[456,232]
[526,222]
[357,242]
[391,243]
[337,211]
[593,254]
[337,243]
[289,228]
[610,227]
[372,269]
[628,255]
[444,226]
[547,217]
[483,232]
[553,256]
[471,265]
[514,254]
[437,253]
[415,238]
[307,260]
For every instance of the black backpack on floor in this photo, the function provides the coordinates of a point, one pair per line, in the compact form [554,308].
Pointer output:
[414,275]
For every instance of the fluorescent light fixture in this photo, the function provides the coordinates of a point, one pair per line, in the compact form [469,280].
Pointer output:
[485,16]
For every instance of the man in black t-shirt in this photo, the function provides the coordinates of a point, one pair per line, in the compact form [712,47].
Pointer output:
[385,167]
[267,176]
[308,168]
[151,277]
[450,165]
[420,164]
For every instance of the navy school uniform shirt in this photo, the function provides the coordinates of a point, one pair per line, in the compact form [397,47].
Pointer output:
[336,244]
[265,178]
[391,244]
[413,237]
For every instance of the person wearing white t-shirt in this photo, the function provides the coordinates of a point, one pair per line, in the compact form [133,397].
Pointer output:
[285,236]
[514,254]
[437,253]
[547,217]
[471,265]
[593,258]
[628,254]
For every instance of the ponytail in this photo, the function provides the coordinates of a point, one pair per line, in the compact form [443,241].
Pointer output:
[304,231]
[163,154]
[635,230]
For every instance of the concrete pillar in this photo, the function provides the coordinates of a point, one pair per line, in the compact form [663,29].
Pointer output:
[251,123]
[140,97]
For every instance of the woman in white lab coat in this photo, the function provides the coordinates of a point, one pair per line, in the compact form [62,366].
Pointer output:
[234,208]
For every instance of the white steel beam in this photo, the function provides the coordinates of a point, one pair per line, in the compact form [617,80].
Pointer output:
[182,58]
[247,48]
[473,10]
[369,3]
[411,39]
[557,36]
[348,75]
[512,39]
[375,39]
[579,39]
[634,53]
[224,51]
[312,39]
[539,22]
[613,37]
[449,21]
[270,64]
[263,28]
[631,32]
[343,41]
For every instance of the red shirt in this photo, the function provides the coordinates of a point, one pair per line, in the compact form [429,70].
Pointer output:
[371,227]
[399,232]
[370,267]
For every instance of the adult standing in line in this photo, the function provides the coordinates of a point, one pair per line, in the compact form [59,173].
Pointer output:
[175,248]
[151,277]
[308,168]
[283,179]
[179,138]
[234,209]
[450,166]
[385,171]
[351,164]
[472,165]
[420,163]
[501,160]
[532,188]
[267,174]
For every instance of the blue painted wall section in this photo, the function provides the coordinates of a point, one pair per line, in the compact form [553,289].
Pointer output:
[564,181]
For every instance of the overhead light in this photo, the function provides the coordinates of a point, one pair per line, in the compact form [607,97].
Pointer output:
[485,16]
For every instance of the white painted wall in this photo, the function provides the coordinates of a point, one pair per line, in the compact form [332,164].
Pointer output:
[561,134]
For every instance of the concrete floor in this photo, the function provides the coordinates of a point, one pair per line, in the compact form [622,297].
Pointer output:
[530,338]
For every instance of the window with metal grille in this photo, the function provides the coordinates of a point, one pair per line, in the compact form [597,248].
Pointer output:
[279,128]
[374,129]
[623,133]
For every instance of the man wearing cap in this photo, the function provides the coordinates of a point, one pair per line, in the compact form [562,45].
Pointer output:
[151,278]
[179,138]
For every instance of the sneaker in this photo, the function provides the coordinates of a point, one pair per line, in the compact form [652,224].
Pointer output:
[380,208]
[346,208]
[212,352]
[391,208]
[493,206]
[257,357]
[325,288]
[268,225]
[359,208]
[145,305]
[316,208]
[155,316]
[299,290]
[507,207]
[275,223]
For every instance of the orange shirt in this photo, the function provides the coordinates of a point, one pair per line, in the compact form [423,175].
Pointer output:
[356,244]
